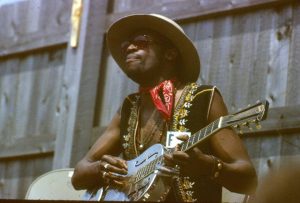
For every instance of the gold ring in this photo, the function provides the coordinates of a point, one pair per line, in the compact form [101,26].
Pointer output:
[106,166]
[104,174]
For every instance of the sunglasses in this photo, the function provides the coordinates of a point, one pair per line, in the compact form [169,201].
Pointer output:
[140,42]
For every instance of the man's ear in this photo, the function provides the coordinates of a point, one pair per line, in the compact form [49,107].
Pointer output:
[171,54]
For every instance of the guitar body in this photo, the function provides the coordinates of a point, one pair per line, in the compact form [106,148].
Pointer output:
[143,183]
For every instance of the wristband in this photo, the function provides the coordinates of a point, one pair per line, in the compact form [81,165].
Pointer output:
[218,166]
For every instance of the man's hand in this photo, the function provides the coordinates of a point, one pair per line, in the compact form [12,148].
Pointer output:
[194,162]
[113,169]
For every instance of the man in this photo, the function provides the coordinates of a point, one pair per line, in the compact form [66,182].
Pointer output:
[154,52]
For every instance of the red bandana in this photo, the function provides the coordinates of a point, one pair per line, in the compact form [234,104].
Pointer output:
[167,88]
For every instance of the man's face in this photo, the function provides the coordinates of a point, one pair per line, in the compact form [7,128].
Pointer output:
[143,55]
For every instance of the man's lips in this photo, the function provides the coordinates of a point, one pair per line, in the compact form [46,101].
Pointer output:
[129,60]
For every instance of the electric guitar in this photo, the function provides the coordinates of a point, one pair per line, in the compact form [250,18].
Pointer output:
[144,183]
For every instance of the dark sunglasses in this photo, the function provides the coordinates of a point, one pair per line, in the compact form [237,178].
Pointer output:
[140,42]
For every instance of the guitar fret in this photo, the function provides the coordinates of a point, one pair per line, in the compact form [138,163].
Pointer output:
[204,132]
[193,137]
[204,135]
[183,146]
[212,127]
[199,135]
[189,142]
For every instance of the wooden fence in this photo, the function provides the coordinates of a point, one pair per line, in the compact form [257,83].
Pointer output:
[55,99]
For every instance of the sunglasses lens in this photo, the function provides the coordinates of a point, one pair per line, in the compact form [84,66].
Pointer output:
[140,42]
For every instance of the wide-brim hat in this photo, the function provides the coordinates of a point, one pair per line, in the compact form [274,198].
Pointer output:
[123,28]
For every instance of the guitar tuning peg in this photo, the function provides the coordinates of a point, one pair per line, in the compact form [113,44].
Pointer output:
[258,101]
[245,124]
[249,126]
[238,128]
[257,124]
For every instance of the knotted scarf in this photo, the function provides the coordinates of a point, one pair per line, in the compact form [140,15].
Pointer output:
[164,106]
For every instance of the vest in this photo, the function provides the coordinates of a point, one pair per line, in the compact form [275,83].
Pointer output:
[189,115]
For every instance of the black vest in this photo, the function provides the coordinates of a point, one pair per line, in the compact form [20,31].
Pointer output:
[189,115]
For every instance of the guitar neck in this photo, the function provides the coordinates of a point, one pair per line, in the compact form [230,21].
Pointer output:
[202,135]
[252,114]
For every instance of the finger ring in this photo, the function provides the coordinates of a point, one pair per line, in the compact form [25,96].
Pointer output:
[104,174]
[106,166]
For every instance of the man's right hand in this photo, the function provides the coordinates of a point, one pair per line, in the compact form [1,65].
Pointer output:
[113,169]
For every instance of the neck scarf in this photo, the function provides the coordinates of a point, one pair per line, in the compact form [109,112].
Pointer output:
[167,89]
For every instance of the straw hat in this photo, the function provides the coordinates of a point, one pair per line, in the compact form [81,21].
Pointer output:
[119,31]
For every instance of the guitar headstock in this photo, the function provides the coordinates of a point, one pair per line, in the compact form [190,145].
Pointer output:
[253,114]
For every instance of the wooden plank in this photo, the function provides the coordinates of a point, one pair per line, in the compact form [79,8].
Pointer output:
[267,164]
[234,65]
[17,175]
[79,87]
[188,10]
[249,30]
[24,31]
[28,97]
[115,91]
[279,57]
[259,70]
[219,70]
[28,147]
[293,84]
[203,41]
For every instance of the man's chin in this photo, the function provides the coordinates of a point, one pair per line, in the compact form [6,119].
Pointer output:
[135,77]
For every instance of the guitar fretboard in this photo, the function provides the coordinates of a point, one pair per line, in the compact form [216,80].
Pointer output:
[200,135]
[193,140]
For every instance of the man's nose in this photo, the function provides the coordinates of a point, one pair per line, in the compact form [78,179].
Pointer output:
[132,46]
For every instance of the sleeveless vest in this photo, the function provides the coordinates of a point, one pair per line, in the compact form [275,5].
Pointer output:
[189,115]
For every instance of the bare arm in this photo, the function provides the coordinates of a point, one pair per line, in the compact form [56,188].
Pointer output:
[88,172]
[237,173]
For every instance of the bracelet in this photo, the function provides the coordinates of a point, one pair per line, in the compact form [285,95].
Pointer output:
[216,170]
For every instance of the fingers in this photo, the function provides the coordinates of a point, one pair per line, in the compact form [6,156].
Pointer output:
[177,158]
[168,171]
[115,161]
[168,160]
[114,164]
[113,169]
[113,176]
[182,137]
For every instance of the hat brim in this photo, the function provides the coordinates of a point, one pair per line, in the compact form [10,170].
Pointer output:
[126,26]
